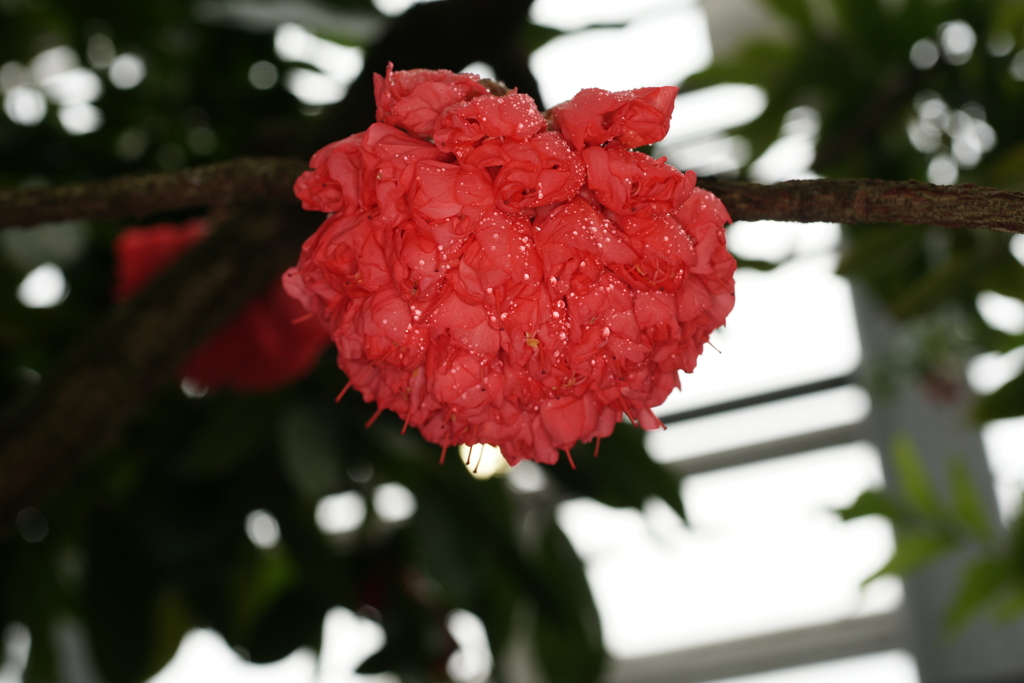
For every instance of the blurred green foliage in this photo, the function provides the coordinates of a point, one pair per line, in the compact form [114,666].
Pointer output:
[150,541]
[930,526]
[883,117]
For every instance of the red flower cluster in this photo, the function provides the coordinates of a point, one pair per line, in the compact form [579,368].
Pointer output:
[494,276]
[261,349]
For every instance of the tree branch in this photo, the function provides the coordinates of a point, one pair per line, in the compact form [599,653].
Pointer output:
[872,201]
[807,201]
[138,196]
[89,396]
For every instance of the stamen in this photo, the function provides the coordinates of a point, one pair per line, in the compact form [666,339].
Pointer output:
[384,357]
[628,414]
[618,370]
[569,456]
[348,385]
[373,418]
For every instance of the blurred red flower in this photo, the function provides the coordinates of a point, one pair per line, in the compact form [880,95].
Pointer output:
[493,281]
[259,350]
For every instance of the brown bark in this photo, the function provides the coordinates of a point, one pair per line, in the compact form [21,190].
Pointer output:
[84,402]
[860,200]
[138,196]
[853,200]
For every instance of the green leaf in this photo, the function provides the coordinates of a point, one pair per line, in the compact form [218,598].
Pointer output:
[568,630]
[293,621]
[763,131]
[42,659]
[872,503]
[865,24]
[260,584]
[355,27]
[980,584]
[1003,274]
[914,482]
[234,427]
[622,476]
[794,10]
[755,264]
[940,283]
[121,588]
[1006,167]
[967,501]
[761,63]
[1013,606]
[534,35]
[914,550]
[446,550]
[1008,401]
[879,250]
[172,619]
[1016,533]
[310,449]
